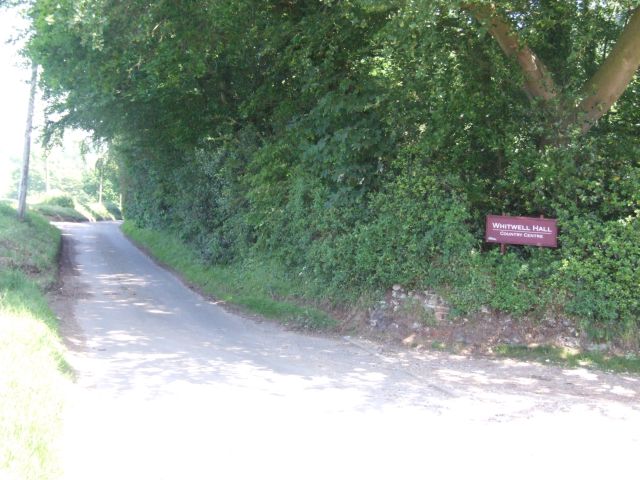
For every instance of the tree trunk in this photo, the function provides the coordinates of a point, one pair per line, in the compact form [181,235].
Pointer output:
[613,76]
[47,183]
[24,178]
[100,186]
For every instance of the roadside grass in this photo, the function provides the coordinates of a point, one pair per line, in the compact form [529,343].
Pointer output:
[33,372]
[570,358]
[250,285]
[59,214]
[30,246]
[62,207]
[95,212]
[81,212]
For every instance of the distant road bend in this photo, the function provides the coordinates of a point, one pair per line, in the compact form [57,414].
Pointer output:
[172,386]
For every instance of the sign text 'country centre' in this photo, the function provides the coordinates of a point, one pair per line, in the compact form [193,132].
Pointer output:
[541,232]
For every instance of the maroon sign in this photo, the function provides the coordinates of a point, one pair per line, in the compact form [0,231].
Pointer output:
[542,232]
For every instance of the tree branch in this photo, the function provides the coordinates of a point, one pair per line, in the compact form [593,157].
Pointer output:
[537,80]
[613,76]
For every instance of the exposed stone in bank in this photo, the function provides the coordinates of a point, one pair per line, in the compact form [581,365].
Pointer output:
[424,319]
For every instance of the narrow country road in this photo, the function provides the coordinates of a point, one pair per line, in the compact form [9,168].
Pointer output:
[172,386]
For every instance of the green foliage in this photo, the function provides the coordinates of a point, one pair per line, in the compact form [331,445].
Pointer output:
[359,144]
[101,183]
[601,270]
[69,167]
[60,214]
[113,210]
[414,234]
[64,207]
[59,200]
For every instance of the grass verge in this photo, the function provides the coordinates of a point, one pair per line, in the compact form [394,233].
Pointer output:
[89,212]
[250,285]
[59,213]
[33,373]
[571,358]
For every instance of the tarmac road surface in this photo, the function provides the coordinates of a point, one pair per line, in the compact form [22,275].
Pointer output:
[172,386]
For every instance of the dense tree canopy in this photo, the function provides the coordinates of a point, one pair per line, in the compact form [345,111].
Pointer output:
[362,142]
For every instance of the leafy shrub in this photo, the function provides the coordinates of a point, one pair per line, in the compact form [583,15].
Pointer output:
[113,209]
[417,228]
[60,200]
[601,272]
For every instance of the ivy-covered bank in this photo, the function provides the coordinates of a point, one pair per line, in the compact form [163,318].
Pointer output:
[359,144]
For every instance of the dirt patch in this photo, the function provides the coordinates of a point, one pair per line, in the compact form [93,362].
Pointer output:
[483,332]
[63,294]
